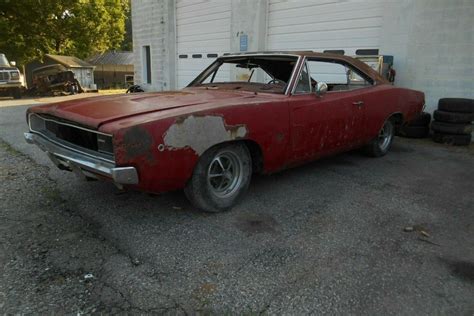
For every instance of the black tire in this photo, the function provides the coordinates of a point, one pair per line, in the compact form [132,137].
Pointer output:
[452,139]
[453,117]
[16,93]
[451,128]
[422,120]
[377,149]
[414,131]
[456,105]
[201,191]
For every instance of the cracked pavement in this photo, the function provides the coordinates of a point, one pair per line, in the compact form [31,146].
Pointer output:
[325,238]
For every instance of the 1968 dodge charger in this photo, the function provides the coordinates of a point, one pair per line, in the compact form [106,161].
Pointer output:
[245,113]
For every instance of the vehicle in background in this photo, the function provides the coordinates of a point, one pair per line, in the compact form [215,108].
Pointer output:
[54,79]
[10,82]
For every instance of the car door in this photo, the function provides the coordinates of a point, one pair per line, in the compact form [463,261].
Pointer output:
[321,125]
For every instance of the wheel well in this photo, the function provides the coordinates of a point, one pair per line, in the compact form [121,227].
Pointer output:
[256,155]
[397,119]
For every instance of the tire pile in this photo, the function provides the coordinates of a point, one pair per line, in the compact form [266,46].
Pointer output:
[419,127]
[453,121]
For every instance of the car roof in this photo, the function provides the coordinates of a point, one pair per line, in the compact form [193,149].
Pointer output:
[378,79]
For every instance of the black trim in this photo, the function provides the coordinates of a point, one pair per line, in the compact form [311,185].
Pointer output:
[197,55]
[367,52]
[335,51]
[212,55]
[183,56]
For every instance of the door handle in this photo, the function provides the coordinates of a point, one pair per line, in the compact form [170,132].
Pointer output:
[358,103]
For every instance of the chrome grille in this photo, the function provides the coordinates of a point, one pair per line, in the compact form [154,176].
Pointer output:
[4,76]
[73,136]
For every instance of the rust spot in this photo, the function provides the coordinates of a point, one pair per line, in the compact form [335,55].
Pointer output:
[279,137]
[201,132]
[138,142]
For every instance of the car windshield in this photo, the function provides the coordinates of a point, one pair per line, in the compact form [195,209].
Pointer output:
[255,73]
[4,61]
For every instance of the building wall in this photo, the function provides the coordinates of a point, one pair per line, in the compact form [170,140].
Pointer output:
[433,45]
[249,17]
[203,32]
[154,25]
[431,40]
[112,76]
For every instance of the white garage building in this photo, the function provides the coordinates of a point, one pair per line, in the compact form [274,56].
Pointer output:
[431,40]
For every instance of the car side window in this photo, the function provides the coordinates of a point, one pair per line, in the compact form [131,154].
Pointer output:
[338,76]
[303,85]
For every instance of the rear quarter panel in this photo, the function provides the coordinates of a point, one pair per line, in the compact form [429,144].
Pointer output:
[386,100]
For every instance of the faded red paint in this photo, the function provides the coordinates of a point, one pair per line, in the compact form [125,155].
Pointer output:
[289,129]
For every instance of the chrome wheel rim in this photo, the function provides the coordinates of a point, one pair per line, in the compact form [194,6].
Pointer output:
[385,136]
[224,174]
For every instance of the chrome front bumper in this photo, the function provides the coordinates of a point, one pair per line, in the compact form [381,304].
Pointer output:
[83,164]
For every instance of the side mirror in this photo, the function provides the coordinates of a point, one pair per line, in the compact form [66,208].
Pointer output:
[321,89]
[13,63]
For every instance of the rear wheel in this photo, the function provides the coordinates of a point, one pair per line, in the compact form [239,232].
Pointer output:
[220,178]
[380,145]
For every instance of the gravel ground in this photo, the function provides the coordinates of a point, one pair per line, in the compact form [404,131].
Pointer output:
[324,238]
[50,253]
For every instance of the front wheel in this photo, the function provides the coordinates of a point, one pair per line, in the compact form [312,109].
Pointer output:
[220,178]
[380,145]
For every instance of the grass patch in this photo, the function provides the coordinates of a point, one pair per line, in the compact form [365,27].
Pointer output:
[9,149]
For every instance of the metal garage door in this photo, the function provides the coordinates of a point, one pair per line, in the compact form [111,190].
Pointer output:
[324,25]
[203,33]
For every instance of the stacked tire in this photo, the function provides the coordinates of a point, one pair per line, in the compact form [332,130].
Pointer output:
[453,121]
[419,127]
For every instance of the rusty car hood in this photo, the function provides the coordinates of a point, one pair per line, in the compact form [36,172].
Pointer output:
[96,111]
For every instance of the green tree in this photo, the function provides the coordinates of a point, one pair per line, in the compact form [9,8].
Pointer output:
[31,28]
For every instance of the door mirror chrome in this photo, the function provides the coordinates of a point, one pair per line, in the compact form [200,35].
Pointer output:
[13,63]
[321,88]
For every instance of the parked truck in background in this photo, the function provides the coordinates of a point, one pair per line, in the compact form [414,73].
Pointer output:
[10,81]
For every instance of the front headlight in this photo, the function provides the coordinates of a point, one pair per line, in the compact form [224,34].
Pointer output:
[14,75]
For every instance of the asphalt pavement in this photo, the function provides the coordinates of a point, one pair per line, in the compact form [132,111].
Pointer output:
[326,238]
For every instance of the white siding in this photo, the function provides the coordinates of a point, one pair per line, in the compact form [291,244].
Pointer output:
[202,28]
[151,28]
[433,45]
[85,76]
[324,24]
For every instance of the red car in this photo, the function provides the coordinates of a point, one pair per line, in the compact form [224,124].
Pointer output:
[279,110]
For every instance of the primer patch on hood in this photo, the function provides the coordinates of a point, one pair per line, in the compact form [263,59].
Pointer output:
[201,132]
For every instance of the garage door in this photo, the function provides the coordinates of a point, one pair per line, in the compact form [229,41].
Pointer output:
[324,25]
[203,33]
